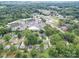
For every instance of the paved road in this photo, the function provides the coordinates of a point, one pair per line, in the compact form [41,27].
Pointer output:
[53,26]
[48,40]
[57,28]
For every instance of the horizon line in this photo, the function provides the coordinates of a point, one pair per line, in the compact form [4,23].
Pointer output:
[40,0]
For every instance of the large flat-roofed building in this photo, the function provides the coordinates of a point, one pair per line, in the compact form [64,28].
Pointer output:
[31,24]
[17,25]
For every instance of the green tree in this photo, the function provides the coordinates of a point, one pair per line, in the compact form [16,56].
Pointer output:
[42,47]
[77,50]
[50,31]
[19,35]
[69,37]
[2,30]
[61,22]
[76,31]
[69,51]
[13,48]
[1,47]
[53,52]
[18,54]
[34,53]
[26,32]
[24,55]
[7,37]
[55,38]
[31,37]
[25,41]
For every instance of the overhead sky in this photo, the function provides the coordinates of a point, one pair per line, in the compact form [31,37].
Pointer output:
[39,0]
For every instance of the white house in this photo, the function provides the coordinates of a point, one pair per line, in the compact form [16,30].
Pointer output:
[22,46]
[34,28]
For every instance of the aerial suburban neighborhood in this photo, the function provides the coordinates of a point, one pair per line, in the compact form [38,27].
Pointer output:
[39,29]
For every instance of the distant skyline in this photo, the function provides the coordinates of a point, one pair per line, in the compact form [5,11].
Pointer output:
[39,0]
